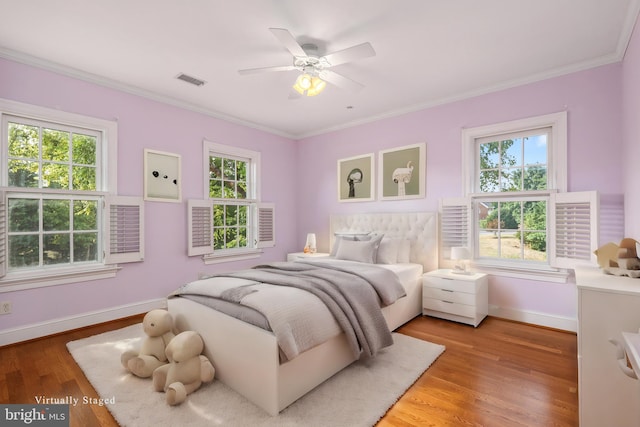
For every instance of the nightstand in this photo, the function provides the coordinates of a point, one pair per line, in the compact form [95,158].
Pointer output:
[459,297]
[300,255]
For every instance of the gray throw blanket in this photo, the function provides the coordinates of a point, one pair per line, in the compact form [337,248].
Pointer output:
[352,292]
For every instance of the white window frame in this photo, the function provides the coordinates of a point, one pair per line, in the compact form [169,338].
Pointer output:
[106,183]
[460,216]
[261,215]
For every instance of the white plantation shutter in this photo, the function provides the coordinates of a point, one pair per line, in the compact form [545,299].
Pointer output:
[266,220]
[455,225]
[124,220]
[573,228]
[200,231]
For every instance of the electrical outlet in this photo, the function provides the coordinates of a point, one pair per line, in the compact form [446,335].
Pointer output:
[5,307]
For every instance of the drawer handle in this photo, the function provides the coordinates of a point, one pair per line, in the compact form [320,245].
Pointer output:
[448,302]
[622,359]
[447,290]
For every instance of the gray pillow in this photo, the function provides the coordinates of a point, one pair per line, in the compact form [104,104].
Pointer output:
[358,250]
[388,251]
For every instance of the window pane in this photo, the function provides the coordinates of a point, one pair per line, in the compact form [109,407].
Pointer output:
[85,215]
[85,247]
[535,150]
[241,170]
[56,249]
[231,236]
[489,155]
[23,174]
[511,180]
[218,238]
[242,215]
[511,152]
[84,178]
[535,178]
[229,170]
[242,237]
[84,149]
[215,168]
[55,145]
[23,215]
[24,251]
[231,215]
[218,215]
[23,141]
[490,181]
[55,175]
[215,189]
[55,215]
[241,191]
[534,230]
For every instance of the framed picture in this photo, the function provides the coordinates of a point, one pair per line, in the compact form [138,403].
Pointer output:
[355,179]
[402,172]
[162,176]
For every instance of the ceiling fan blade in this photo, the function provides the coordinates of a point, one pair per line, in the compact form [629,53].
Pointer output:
[266,69]
[285,37]
[349,54]
[340,80]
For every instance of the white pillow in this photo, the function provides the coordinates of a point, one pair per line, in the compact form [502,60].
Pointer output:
[361,251]
[388,251]
[404,251]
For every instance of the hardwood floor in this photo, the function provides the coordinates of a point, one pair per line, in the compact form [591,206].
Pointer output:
[501,374]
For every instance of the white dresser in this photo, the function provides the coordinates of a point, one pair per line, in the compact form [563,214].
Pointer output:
[458,297]
[607,306]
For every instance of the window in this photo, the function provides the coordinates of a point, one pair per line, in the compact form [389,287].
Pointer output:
[58,173]
[230,221]
[515,215]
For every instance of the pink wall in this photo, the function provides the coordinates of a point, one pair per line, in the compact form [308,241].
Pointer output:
[631,135]
[147,124]
[593,101]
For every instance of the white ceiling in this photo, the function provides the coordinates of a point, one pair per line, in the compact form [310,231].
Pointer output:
[427,51]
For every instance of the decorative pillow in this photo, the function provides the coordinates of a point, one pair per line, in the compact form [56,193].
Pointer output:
[388,251]
[404,251]
[346,236]
[361,251]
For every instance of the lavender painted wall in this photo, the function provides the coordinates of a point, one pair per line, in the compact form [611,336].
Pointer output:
[143,123]
[593,101]
[631,136]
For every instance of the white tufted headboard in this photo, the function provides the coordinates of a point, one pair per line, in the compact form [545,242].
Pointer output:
[418,227]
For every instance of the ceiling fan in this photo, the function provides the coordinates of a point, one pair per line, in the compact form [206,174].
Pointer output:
[315,72]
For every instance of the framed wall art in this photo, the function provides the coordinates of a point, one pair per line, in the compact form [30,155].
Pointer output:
[162,176]
[402,172]
[356,179]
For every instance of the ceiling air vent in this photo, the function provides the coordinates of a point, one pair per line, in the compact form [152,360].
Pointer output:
[189,79]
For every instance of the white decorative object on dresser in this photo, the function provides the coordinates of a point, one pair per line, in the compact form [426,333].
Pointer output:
[300,255]
[459,297]
[607,307]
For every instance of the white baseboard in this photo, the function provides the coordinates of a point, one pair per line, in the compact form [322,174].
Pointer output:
[37,330]
[541,319]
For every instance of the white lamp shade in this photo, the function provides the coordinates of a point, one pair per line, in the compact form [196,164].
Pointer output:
[460,253]
[311,242]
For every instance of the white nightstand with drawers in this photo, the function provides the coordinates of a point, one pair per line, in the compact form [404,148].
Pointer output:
[459,297]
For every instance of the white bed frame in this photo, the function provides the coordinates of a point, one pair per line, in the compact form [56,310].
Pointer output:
[246,358]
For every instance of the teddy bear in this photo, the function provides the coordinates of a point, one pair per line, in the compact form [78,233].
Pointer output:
[158,326]
[187,370]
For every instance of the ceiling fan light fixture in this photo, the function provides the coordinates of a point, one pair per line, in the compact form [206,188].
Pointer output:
[317,86]
[309,85]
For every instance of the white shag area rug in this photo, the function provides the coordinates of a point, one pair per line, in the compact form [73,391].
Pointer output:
[359,395]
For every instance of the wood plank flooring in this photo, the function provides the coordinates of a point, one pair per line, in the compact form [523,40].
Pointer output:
[501,374]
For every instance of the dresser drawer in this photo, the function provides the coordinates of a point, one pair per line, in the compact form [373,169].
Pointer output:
[449,307]
[449,295]
[451,284]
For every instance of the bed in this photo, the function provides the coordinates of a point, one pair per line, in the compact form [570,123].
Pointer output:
[248,358]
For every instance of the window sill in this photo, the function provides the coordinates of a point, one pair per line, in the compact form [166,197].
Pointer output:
[19,281]
[229,257]
[541,274]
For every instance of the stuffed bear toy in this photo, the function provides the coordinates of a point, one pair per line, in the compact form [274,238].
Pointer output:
[158,326]
[187,368]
